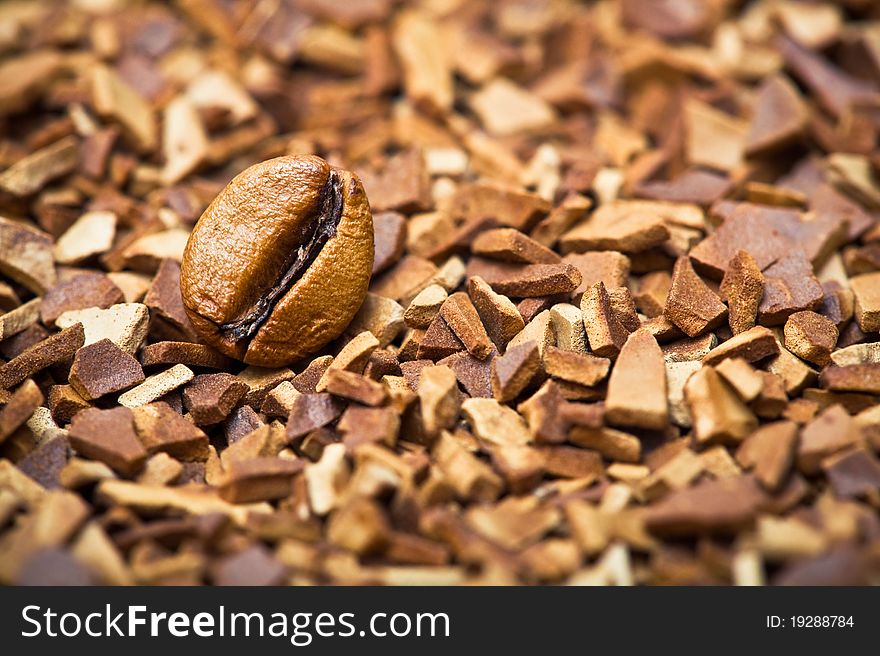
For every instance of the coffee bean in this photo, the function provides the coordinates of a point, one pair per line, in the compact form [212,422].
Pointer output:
[280,262]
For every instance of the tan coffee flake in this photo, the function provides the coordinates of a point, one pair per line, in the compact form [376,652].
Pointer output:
[505,108]
[116,99]
[26,255]
[17,320]
[31,173]
[568,327]
[147,252]
[427,68]
[596,300]
[381,316]
[184,140]
[617,227]
[494,422]
[353,357]
[742,377]
[91,234]
[866,288]
[717,413]
[575,367]
[156,386]
[538,330]
[191,500]
[124,324]
[637,386]
[424,308]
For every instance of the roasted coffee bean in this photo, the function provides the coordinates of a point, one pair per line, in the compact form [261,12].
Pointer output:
[280,262]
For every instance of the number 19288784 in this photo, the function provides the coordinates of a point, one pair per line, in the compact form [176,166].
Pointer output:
[810,622]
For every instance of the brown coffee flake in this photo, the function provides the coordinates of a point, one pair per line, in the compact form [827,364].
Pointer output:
[853,474]
[743,287]
[52,350]
[752,345]
[164,300]
[109,437]
[115,99]
[258,479]
[605,334]
[510,245]
[427,72]
[653,290]
[381,316]
[389,239]
[20,319]
[780,117]
[307,380]
[279,402]
[362,425]
[528,280]
[608,267]
[439,399]
[78,292]
[156,386]
[355,387]
[580,368]
[770,451]
[65,402]
[832,431]
[161,429]
[209,398]
[461,317]
[742,377]
[852,378]
[495,423]
[541,411]
[500,316]
[353,357]
[611,443]
[439,341]
[513,371]
[187,353]
[19,408]
[811,337]
[34,171]
[360,526]
[723,506]
[474,375]
[90,235]
[789,287]
[103,368]
[691,305]
[310,412]
[125,324]
[689,349]
[767,234]
[503,204]
[618,226]
[44,463]
[571,462]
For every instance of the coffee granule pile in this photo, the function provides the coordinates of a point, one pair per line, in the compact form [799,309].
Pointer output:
[622,326]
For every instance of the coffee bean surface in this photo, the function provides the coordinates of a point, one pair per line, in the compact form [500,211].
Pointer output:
[279,263]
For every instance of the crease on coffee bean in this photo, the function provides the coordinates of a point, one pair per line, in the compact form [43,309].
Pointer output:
[318,233]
